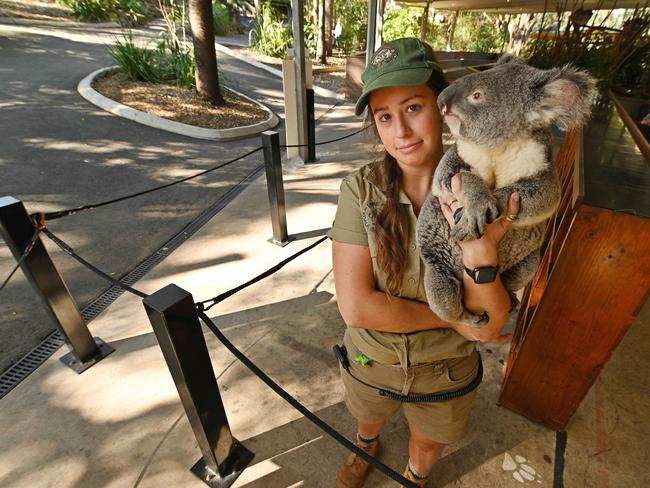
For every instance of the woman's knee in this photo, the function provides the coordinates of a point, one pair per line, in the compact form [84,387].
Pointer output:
[422,441]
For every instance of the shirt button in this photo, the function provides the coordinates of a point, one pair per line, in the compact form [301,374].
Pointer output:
[413,247]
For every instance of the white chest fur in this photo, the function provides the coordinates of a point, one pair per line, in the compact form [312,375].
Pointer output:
[503,165]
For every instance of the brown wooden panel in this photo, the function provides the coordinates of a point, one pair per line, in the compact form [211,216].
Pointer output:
[600,281]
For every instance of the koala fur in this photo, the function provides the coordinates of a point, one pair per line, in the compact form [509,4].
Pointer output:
[501,119]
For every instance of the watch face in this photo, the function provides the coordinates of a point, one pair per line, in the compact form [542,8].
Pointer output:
[485,275]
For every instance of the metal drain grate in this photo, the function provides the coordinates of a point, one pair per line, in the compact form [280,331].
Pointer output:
[29,362]
[34,358]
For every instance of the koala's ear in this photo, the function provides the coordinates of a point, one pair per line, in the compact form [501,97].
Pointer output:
[510,58]
[564,96]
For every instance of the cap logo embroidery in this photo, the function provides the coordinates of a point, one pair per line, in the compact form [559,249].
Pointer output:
[384,55]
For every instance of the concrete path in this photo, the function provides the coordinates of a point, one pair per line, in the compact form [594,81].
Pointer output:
[59,151]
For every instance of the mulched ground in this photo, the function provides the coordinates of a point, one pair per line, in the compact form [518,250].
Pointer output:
[179,104]
[36,10]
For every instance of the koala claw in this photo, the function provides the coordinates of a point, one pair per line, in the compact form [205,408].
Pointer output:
[471,223]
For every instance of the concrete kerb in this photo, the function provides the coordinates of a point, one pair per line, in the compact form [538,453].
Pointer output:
[86,90]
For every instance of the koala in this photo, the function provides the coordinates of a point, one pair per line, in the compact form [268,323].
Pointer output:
[501,119]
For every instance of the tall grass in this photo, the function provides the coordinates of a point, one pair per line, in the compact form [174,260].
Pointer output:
[168,63]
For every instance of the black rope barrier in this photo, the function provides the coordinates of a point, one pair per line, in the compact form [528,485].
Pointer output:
[201,308]
[221,297]
[26,252]
[42,216]
[328,141]
[321,424]
[68,250]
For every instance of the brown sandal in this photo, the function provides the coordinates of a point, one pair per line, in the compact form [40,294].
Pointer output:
[353,472]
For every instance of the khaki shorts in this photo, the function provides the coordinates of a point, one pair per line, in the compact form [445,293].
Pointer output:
[442,422]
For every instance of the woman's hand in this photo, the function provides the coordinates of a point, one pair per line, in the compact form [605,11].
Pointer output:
[482,251]
[485,334]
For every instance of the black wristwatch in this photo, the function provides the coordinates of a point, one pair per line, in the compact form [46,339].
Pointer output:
[482,274]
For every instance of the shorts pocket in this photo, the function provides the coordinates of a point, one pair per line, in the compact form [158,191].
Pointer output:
[461,371]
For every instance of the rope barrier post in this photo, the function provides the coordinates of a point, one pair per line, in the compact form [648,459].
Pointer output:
[175,322]
[311,127]
[17,230]
[273,165]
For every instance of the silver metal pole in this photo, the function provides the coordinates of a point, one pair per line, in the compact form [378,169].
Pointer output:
[301,84]
[372,30]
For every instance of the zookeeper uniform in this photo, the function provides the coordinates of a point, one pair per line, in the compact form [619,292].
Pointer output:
[429,361]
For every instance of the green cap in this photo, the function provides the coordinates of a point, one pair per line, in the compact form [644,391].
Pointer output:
[402,62]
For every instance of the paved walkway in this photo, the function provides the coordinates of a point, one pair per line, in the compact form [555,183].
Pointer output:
[59,151]
[120,424]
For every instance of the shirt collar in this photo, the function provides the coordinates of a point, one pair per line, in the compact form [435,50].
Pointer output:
[374,177]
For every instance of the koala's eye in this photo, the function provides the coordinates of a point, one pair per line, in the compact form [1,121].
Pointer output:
[476,96]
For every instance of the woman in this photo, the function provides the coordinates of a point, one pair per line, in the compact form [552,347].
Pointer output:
[393,340]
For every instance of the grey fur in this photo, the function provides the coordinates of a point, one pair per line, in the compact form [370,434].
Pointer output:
[503,135]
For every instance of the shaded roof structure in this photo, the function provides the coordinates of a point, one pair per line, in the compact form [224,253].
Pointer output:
[521,6]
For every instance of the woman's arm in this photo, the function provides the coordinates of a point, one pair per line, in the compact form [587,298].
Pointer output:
[364,307]
[487,297]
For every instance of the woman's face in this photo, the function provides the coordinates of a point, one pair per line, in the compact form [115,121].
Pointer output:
[409,124]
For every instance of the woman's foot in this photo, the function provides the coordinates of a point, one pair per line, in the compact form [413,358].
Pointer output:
[353,472]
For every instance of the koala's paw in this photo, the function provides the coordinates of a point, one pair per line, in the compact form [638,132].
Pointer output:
[474,218]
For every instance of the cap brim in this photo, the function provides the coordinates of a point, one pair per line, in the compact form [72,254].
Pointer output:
[401,77]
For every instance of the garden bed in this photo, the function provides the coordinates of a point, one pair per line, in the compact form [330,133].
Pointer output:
[179,104]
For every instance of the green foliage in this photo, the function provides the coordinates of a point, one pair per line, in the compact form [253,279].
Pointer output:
[271,34]
[138,63]
[614,58]
[127,12]
[477,31]
[221,17]
[353,17]
[168,63]
[402,22]
[310,33]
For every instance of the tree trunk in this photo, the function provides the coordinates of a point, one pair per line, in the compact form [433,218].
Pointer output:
[321,49]
[329,26]
[519,30]
[207,76]
[425,21]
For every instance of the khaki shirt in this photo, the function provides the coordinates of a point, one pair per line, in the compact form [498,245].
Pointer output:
[361,199]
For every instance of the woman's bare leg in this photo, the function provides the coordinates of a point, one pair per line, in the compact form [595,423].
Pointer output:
[370,431]
[423,452]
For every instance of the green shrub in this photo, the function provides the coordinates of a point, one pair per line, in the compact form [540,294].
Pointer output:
[127,12]
[138,63]
[168,63]
[271,34]
[402,22]
[222,18]
[353,17]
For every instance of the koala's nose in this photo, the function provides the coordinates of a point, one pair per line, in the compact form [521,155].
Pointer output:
[445,97]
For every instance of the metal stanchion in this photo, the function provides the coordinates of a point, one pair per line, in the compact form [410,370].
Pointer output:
[311,127]
[273,165]
[172,314]
[17,230]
